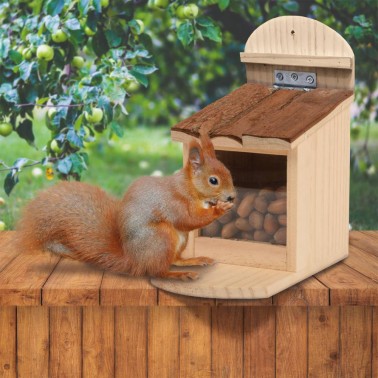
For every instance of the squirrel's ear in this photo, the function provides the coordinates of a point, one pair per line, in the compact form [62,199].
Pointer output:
[195,155]
[207,145]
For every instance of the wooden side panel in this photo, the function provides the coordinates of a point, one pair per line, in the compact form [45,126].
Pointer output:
[65,342]
[227,342]
[291,341]
[163,342]
[131,342]
[8,321]
[355,341]
[318,187]
[98,342]
[323,342]
[32,342]
[259,342]
[195,342]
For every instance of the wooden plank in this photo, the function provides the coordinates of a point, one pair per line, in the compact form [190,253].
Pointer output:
[339,62]
[355,341]
[131,342]
[291,341]
[120,290]
[72,283]
[98,341]
[7,250]
[307,293]
[367,241]
[259,342]
[22,279]
[363,262]
[163,342]
[227,342]
[323,341]
[32,342]
[65,342]
[170,299]
[244,302]
[195,342]
[374,354]
[8,322]
[348,287]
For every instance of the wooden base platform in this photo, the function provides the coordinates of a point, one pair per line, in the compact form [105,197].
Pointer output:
[225,281]
[61,318]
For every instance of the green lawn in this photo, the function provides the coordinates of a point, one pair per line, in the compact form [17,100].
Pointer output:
[144,151]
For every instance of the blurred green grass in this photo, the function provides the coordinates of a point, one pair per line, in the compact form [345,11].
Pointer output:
[145,151]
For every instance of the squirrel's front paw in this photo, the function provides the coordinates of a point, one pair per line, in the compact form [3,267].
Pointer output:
[223,207]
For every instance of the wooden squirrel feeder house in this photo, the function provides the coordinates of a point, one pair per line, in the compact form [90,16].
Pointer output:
[284,135]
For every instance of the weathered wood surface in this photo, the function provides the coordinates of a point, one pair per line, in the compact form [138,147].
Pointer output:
[41,278]
[260,111]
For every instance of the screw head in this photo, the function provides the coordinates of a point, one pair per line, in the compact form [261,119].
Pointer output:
[310,79]
[279,76]
[294,76]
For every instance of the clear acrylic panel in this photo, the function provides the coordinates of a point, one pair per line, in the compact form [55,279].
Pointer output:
[260,210]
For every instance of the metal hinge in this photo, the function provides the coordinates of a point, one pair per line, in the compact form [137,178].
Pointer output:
[294,79]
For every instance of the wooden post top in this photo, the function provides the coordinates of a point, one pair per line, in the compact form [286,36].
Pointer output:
[34,279]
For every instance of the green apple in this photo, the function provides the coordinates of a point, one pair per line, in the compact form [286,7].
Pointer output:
[27,53]
[180,12]
[104,3]
[162,4]
[59,36]
[5,129]
[191,10]
[77,61]
[20,49]
[88,31]
[95,117]
[2,226]
[131,86]
[141,26]
[45,52]
[54,146]
[51,113]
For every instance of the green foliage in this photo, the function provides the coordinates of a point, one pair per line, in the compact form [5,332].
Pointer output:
[40,43]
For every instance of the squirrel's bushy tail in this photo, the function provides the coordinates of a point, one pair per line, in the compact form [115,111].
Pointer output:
[74,220]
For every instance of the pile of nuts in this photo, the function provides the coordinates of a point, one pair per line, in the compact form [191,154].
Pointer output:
[258,215]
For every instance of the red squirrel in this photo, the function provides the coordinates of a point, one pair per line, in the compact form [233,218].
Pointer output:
[142,234]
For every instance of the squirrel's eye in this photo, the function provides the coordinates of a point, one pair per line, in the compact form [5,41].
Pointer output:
[213,180]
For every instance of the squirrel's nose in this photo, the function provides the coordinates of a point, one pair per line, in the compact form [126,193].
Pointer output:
[230,198]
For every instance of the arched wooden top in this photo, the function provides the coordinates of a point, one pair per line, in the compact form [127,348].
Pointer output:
[296,35]
[303,43]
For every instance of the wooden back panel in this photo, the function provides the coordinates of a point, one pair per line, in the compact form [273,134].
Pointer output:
[299,43]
